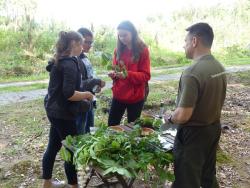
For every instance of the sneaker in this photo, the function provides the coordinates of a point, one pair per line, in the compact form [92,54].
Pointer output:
[57,184]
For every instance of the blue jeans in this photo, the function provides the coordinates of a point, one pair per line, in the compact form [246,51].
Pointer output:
[84,122]
[89,120]
[80,123]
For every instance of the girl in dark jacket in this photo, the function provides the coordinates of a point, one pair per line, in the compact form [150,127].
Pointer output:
[130,77]
[62,101]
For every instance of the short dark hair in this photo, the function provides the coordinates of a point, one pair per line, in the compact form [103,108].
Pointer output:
[85,32]
[204,31]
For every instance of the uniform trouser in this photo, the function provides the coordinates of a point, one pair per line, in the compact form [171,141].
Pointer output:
[195,156]
[118,109]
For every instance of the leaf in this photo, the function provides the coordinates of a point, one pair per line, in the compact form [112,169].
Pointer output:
[65,154]
[106,58]
[109,170]
[109,67]
[124,172]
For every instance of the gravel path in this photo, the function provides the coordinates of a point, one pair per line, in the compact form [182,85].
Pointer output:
[13,97]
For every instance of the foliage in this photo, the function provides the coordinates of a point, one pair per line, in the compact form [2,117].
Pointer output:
[105,40]
[151,122]
[124,153]
[20,58]
[26,45]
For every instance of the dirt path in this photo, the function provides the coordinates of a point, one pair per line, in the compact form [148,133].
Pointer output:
[13,97]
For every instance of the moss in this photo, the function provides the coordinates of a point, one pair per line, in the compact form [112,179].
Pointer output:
[223,157]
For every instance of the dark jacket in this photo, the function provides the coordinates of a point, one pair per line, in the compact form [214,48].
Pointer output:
[65,78]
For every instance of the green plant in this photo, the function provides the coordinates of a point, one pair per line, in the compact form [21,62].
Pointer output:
[124,153]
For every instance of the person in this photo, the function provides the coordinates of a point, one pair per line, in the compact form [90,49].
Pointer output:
[131,73]
[63,95]
[89,82]
[201,94]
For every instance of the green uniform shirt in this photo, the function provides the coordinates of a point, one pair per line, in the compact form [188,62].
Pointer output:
[203,87]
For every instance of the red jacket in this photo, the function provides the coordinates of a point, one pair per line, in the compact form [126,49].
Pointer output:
[132,88]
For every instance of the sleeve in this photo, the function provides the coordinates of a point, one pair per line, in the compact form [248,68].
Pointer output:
[69,79]
[143,73]
[189,91]
[89,84]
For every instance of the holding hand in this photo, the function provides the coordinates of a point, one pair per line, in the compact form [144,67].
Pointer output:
[116,75]
[112,75]
[103,83]
[88,95]
[120,75]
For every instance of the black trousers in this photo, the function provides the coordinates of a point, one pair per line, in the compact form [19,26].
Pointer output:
[195,156]
[58,131]
[118,108]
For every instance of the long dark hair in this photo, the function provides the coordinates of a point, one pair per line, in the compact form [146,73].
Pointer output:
[137,44]
[64,43]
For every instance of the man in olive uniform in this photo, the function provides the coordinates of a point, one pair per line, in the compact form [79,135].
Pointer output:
[201,94]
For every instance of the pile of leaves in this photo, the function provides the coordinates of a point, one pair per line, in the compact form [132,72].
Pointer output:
[150,122]
[125,153]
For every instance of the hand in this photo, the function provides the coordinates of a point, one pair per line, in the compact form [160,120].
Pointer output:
[166,118]
[88,95]
[112,74]
[120,75]
[103,83]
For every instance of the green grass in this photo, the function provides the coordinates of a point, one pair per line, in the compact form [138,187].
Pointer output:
[223,158]
[236,61]
[164,72]
[240,77]
[23,88]
[26,119]
[42,76]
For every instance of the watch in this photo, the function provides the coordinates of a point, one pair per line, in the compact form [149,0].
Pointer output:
[170,120]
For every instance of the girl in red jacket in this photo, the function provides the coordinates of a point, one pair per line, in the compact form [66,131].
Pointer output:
[131,73]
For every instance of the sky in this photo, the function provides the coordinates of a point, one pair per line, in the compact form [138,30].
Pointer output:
[78,13]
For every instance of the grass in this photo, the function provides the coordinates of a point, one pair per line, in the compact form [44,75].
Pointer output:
[26,119]
[240,77]
[41,76]
[223,158]
[23,88]
[236,61]
[27,127]
[155,71]
[164,72]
